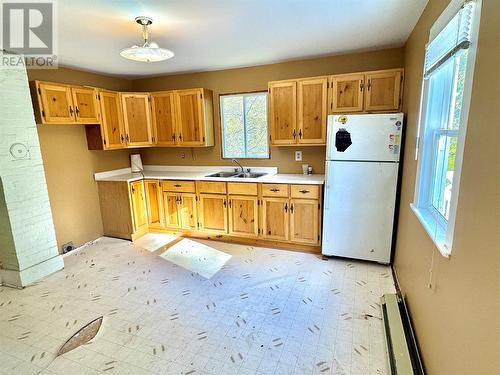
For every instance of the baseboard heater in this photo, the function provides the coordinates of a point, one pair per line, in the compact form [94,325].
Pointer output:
[402,349]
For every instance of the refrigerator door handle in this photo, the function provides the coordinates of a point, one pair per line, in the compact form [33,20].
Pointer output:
[327,187]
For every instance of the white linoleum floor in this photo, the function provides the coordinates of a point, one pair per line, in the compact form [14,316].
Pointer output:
[262,311]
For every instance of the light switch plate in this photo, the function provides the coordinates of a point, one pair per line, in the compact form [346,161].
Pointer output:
[298,155]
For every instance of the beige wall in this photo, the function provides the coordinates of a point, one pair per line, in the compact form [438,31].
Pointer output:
[457,320]
[69,165]
[253,79]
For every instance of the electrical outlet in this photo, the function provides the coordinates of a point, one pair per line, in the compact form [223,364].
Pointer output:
[183,155]
[298,155]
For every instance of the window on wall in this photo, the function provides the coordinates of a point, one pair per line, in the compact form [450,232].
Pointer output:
[447,82]
[244,125]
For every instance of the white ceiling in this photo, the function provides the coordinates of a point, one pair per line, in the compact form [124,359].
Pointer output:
[219,34]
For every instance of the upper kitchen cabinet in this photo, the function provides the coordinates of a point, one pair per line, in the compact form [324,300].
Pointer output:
[312,108]
[113,130]
[366,92]
[194,113]
[283,113]
[346,93]
[383,90]
[183,118]
[66,104]
[164,121]
[137,119]
[86,105]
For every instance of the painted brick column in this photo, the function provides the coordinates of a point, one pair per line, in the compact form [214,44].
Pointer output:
[28,247]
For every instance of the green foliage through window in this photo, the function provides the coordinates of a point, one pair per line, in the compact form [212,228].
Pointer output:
[244,125]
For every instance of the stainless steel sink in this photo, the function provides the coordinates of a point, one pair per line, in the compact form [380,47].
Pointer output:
[223,174]
[249,175]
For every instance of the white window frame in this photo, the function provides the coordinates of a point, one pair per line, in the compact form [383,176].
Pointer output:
[440,231]
[221,116]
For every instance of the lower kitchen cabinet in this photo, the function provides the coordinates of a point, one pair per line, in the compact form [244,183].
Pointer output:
[275,218]
[138,203]
[180,210]
[212,210]
[304,221]
[243,216]
[154,203]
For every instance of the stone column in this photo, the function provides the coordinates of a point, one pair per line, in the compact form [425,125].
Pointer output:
[28,247]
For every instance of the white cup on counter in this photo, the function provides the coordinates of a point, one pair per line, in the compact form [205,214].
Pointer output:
[305,168]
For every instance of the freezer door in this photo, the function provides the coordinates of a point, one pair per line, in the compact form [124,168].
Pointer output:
[359,209]
[364,137]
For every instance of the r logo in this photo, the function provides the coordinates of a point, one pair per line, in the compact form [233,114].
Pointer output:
[28,28]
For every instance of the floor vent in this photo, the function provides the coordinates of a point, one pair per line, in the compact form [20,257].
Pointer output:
[401,345]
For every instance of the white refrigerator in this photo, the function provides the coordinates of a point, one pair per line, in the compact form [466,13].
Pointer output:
[362,163]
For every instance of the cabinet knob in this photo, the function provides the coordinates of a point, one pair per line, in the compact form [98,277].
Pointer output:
[275,190]
[304,191]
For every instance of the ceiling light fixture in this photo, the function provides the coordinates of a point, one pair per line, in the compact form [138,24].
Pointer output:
[149,51]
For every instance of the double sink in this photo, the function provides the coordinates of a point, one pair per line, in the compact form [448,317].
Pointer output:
[236,174]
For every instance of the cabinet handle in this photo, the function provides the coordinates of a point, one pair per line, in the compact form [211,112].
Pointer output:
[126,137]
[300,133]
[77,111]
[369,85]
[180,137]
[275,190]
[173,137]
[225,204]
[291,208]
[122,139]
[177,185]
[294,134]
[71,110]
[304,191]
[361,85]
[133,189]
[286,207]
[230,203]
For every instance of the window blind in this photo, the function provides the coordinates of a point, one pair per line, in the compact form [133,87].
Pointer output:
[456,35]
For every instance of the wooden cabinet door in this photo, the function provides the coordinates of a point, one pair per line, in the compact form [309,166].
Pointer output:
[383,90]
[111,120]
[138,202]
[304,221]
[86,106]
[212,211]
[346,93]
[283,112]
[154,203]
[243,216]
[187,211]
[164,121]
[171,210]
[137,119]
[312,106]
[55,103]
[275,218]
[190,122]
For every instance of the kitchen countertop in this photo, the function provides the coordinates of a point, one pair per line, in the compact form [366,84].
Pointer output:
[200,173]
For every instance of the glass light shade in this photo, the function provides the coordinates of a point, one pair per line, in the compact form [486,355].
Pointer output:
[147,53]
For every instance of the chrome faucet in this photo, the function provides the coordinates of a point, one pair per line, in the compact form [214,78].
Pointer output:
[237,162]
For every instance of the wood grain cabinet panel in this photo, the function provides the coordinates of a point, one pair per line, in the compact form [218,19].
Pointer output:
[86,105]
[171,210]
[187,211]
[154,203]
[346,93]
[137,119]
[179,186]
[138,204]
[275,190]
[275,218]
[312,107]
[212,213]
[304,221]
[283,112]
[383,90]
[243,216]
[164,119]
[111,120]
[305,191]
[211,187]
[55,103]
[190,117]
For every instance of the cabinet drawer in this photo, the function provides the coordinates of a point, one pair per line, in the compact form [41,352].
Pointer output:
[275,190]
[211,187]
[242,188]
[305,191]
[179,186]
